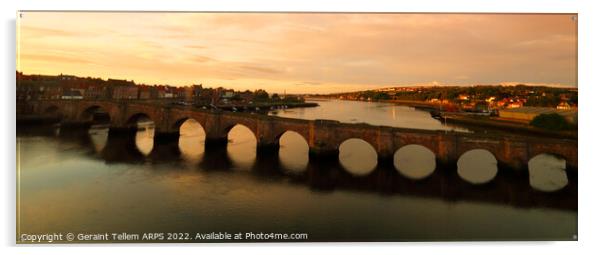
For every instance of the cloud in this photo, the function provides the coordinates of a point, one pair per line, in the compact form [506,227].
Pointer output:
[336,51]
[54,58]
[46,32]
[198,47]
[261,69]
[201,59]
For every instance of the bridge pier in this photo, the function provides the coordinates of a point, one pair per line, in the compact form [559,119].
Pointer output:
[266,159]
[166,137]
[216,156]
[385,162]
[267,148]
[322,168]
[75,124]
[215,142]
[323,151]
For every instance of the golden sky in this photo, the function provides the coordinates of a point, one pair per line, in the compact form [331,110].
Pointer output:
[301,52]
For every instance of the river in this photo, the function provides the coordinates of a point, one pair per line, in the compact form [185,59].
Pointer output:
[97,181]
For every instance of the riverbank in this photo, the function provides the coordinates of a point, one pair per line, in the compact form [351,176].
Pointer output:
[483,123]
[266,106]
[416,104]
[505,125]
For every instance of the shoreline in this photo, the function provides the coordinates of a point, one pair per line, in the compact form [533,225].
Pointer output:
[506,126]
[266,106]
[485,123]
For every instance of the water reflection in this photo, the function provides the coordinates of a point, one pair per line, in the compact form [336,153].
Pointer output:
[415,161]
[191,141]
[58,182]
[99,134]
[294,152]
[547,173]
[374,113]
[242,146]
[145,137]
[477,166]
[358,157]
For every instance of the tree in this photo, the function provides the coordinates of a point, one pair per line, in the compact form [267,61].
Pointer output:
[573,99]
[261,95]
[551,121]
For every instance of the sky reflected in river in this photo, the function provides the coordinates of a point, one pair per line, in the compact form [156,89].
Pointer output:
[294,152]
[374,113]
[415,161]
[242,146]
[99,135]
[145,137]
[358,157]
[191,141]
[477,166]
[547,173]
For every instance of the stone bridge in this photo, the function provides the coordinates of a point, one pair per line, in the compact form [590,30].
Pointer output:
[322,136]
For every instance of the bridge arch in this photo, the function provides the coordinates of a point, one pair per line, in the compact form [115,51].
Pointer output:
[177,124]
[88,114]
[291,132]
[358,156]
[133,119]
[547,172]
[53,111]
[415,161]
[558,150]
[293,151]
[477,166]
[226,130]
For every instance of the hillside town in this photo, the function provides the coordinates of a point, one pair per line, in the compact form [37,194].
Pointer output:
[69,87]
[478,98]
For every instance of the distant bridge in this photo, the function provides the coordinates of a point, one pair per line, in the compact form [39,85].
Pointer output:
[323,136]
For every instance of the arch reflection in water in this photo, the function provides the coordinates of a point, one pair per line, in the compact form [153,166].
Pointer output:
[145,136]
[192,141]
[99,135]
[358,157]
[547,173]
[414,161]
[293,152]
[477,166]
[242,146]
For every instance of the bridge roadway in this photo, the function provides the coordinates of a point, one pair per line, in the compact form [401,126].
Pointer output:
[322,136]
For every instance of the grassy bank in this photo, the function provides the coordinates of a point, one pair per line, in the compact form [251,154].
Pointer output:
[506,126]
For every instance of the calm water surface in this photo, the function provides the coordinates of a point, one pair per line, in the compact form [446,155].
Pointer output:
[94,181]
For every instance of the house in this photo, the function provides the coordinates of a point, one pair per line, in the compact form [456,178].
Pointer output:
[227,95]
[72,95]
[563,106]
[94,92]
[125,92]
[52,92]
[515,104]
[144,92]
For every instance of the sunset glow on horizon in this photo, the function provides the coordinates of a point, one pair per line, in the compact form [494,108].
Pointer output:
[301,52]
